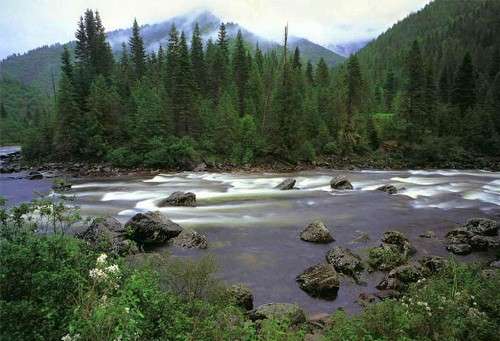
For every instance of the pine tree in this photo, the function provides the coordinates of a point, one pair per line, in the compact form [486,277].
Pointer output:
[296,64]
[309,73]
[104,60]
[172,61]
[219,68]
[371,131]
[240,72]
[137,52]
[66,65]
[322,74]
[183,92]
[389,90]
[81,48]
[463,93]
[259,59]
[198,61]
[353,85]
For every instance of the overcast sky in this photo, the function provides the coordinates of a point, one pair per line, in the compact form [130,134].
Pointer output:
[26,24]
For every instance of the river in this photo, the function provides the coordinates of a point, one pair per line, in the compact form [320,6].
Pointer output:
[253,228]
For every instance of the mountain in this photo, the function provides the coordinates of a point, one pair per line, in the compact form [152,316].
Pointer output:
[40,66]
[347,49]
[445,30]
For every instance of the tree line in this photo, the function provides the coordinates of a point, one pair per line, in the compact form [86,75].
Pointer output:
[226,101]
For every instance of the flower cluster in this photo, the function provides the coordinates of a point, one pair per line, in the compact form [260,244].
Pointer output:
[68,337]
[103,271]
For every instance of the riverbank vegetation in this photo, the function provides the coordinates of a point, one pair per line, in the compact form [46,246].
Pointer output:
[54,287]
[224,101]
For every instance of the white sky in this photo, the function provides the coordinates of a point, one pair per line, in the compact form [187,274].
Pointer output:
[27,24]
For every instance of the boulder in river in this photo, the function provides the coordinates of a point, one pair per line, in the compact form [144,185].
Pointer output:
[482,226]
[390,189]
[34,175]
[400,240]
[399,277]
[479,243]
[340,182]
[152,228]
[320,280]
[242,296]
[316,232]
[459,249]
[287,184]
[179,199]
[344,261]
[279,311]
[108,235]
[428,234]
[188,239]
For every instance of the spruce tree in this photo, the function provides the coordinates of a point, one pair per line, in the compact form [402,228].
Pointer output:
[353,85]
[389,91]
[172,61]
[463,93]
[198,61]
[219,68]
[240,72]
[259,59]
[66,65]
[309,73]
[322,74]
[296,64]
[137,52]
[186,123]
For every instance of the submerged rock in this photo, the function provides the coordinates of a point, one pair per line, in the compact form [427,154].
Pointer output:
[108,235]
[459,249]
[179,199]
[428,234]
[242,296]
[61,185]
[340,182]
[34,175]
[320,280]
[286,184]
[344,261]
[279,311]
[316,232]
[400,240]
[390,189]
[189,240]
[152,228]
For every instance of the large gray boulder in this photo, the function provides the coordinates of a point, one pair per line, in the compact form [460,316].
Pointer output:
[286,184]
[316,232]
[151,228]
[320,280]
[279,311]
[179,199]
[344,261]
[340,182]
[188,239]
[242,296]
[475,235]
[108,235]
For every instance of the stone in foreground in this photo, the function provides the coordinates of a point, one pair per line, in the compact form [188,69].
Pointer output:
[279,311]
[151,228]
[242,296]
[287,184]
[459,249]
[179,199]
[316,232]
[320,280]
[344,261]
[190,240]
[108,235]
[482,226]
[340,182]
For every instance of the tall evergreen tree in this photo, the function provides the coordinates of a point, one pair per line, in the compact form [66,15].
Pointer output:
[66,65]
[219,68]
[137,52]
[296,59]
[463,95]
[353,85]
[309,73]
[240,72]
[322,74]
[389,90]
[183,92]
[172,61]
[198,61]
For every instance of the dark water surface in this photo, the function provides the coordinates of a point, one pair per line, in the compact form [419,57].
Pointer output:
[253,228]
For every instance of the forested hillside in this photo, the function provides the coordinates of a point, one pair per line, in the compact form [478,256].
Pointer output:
[426,92]
[40,67]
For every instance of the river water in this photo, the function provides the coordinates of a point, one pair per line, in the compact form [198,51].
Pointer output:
[253,228]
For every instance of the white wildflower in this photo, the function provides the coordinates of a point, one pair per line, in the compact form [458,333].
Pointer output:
[127,310]
[113,269]
[98,274]
[101,260]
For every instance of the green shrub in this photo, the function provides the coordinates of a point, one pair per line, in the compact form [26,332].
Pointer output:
[330,148]
[124,157]
[170,152]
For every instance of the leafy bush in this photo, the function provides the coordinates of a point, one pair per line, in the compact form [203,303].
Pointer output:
[124,157]
[169,152]
[385,257]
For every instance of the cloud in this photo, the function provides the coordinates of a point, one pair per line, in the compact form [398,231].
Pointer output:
[26,24]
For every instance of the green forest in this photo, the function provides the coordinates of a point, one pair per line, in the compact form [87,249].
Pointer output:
[425,92]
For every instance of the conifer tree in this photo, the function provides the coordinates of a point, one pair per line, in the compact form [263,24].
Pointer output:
[309,73]
[219,68]
[296,64]
[389,91]
[463,93]
[240,72]
[259,59]
[172,61]
[353,85]
[137,52]
[198,61]
[183,92]
[322,74]
[66,65]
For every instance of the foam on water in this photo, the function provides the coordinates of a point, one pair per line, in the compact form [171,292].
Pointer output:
[420,180]
[130,196]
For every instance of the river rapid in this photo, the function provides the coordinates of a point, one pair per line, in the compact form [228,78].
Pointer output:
[253,228]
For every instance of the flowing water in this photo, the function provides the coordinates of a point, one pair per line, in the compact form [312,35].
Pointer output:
[253,228]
